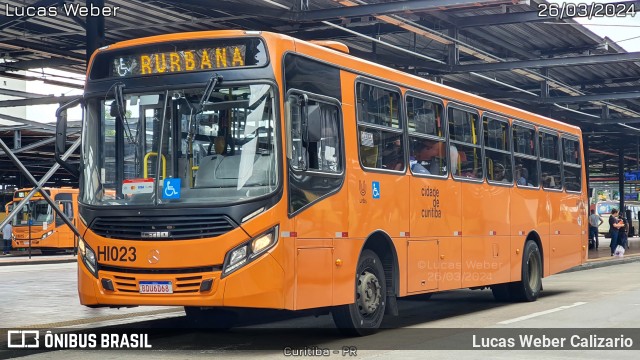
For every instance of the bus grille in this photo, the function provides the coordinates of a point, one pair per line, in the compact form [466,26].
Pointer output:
[128,284]
[183,227]
[183,280]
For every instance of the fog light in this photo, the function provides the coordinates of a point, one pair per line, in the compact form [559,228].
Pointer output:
[206,285]
[107,284]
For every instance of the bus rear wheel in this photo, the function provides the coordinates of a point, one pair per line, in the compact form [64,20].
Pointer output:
[364,316]
[210,318]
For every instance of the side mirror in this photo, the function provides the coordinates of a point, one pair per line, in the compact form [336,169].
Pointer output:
[590,192]
[61,136]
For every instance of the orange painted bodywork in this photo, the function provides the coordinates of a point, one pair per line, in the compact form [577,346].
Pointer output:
[446,234]
[62,236]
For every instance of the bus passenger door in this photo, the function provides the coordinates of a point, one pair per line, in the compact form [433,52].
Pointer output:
[316,201]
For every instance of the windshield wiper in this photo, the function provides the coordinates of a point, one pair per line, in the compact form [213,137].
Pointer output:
[211,84]
[208,89]
[122,114]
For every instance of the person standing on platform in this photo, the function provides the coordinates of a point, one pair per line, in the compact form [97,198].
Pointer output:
[7,232]
[614,227]
[594,222]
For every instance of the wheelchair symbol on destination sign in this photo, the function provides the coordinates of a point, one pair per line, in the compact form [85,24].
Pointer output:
[171,188]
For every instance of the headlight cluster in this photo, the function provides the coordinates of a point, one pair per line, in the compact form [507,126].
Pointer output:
[47,234]
[88,257]
[249,251]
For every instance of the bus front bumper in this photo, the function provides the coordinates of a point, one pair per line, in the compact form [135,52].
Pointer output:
[260,284]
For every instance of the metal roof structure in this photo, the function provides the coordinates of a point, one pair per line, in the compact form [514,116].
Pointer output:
[512,51]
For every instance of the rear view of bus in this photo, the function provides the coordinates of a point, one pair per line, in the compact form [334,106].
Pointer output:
[38,226]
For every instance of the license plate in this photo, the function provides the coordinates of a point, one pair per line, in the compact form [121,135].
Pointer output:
[156,287]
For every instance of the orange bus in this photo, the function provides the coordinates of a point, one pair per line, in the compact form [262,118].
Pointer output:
[243,169]
[36,218]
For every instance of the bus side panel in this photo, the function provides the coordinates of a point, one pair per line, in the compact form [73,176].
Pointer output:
[314,273]
[450,263]
[435,207]
[485,260]
[571,248]
[435,216]
[567,246]
[558,246]
[347,252]
[529,212]
[485,230]
[495,211]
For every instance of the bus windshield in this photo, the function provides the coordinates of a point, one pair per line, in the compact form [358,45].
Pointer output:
[38,211]
[604,208]
[182,145]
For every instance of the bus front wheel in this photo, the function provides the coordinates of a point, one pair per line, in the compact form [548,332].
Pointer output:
[530,285]
[210,318]
[364,316]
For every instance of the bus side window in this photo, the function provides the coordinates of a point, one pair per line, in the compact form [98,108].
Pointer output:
[380,137]
[463,135]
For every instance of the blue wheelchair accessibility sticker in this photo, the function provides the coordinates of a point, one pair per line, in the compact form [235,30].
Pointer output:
[171,188]
[375,189]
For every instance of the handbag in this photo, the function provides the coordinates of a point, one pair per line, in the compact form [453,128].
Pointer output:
[619,251]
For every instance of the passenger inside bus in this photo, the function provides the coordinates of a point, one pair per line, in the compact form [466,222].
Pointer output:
[548,181]
[393,157]
[499,173]
[522,176]
[430,153]
[415,165]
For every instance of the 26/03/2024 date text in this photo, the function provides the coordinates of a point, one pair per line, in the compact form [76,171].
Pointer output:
[589,10]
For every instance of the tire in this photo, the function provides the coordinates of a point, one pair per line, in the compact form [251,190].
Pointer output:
[210,318]
[364,316]
[530,285]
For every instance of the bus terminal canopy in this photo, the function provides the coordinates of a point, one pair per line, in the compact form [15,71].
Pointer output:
[517,52]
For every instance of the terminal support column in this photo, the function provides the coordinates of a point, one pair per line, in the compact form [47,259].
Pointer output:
[621,179]
[94,29]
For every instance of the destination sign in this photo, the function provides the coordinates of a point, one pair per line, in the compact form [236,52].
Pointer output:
[179,61]
[179,57]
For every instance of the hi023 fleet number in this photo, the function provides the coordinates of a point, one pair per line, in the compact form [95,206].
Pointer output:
[117,253]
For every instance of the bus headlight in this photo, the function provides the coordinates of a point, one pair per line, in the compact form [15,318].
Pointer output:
[47,234]
[88,257]
[249,251]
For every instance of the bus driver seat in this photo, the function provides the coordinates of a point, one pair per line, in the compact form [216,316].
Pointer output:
[205,177]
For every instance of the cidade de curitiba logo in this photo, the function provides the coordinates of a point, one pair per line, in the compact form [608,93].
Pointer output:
[32,339]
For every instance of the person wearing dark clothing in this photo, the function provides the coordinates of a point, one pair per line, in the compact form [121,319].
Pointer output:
[614,227]
[623,234]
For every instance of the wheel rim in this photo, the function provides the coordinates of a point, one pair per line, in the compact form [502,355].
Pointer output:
[534,271]
[369,294]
